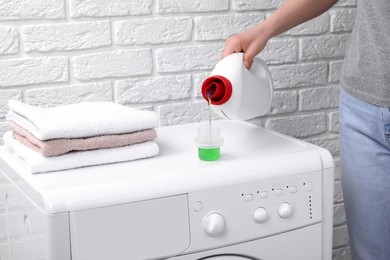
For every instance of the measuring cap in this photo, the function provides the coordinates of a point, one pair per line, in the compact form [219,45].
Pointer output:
[209,142]
[219,88]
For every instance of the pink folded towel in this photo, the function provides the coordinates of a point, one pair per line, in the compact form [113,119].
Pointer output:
[55,147]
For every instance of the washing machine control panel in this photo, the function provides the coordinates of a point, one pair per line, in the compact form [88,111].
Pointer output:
[248,211]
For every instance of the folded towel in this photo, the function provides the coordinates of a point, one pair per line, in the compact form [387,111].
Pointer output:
[36,163]
[80,120]
[55,147]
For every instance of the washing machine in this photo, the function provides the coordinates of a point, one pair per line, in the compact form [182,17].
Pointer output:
[269,197]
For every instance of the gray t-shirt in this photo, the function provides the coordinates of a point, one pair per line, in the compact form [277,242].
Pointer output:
[366,68]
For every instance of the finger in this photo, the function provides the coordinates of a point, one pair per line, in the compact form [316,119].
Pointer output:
[249,55]
[231,47]
[228,50]
[248,61]
[248,64]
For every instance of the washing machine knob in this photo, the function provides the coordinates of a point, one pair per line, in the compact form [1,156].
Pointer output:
[260,215]
[285,210]
[214,224]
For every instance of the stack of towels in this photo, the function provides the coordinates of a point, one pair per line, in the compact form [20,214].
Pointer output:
[77,135]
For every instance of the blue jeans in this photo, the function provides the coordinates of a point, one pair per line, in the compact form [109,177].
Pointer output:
[365,176]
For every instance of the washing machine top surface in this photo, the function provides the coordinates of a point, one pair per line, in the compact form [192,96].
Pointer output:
[249,153]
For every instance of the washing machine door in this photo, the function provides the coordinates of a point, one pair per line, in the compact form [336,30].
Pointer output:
[227,257]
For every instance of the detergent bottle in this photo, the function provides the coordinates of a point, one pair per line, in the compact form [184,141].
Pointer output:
[236,92]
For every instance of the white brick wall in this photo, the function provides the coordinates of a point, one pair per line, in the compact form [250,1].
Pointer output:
[155,54]
[66,36]
[103,8]
[32,10]
[244,5]
[174,6]
[219,27]
[33,70]
[9,43]
[153,31]
[111,64]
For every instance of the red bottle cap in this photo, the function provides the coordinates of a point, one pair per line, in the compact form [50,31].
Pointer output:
[219,88]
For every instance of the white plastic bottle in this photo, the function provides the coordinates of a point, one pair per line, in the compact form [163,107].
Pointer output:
[236,92]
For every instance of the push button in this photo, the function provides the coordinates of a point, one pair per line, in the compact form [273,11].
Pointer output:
[285,210]
[248,197]
[198,206]
[309,186]
[293,189]
[260,215]
[278,192]
[264,194]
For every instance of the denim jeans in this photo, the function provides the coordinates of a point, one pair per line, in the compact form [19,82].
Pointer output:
[365,176]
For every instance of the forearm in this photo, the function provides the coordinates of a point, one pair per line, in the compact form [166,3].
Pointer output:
[293,13]
[289,15]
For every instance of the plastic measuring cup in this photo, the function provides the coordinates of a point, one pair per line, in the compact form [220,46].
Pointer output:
[209,141]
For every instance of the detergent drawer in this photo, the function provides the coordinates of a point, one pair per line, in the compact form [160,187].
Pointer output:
[137,230]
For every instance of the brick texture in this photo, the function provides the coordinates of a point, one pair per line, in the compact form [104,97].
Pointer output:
[280,51]
[320,97]
[245,5]
[198,79]
[332,46]
[307,74]
[299,126]
[103,8]
[187,58]
[32,10]
[329,142]
[342,20]
[25,71]
[174,6]
[219,27]
[318,26]
[9,40]
[112,64]
[157,89]
[284,102]
[335,68]
[68,94]
[184,112]
[339,214]
[334,122]
[66,36]
[5,96]
[153,31]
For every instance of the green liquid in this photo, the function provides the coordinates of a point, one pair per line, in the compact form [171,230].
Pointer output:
[209,154]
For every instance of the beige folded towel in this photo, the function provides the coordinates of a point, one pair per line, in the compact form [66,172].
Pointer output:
[36,163]
[55,147]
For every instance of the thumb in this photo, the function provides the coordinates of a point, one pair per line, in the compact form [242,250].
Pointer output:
[248,58]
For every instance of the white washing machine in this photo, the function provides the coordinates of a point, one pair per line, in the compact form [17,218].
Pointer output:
[269,197]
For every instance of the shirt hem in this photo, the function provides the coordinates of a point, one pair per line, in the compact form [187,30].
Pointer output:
[365,96]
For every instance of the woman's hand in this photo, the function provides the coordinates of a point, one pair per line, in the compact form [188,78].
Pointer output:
[250,42]
[288,15]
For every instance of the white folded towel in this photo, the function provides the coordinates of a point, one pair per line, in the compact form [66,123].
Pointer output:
[36,163]
[80,120]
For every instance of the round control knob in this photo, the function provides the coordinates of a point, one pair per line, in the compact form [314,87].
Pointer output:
[214,224]
[260,215]
[285,210]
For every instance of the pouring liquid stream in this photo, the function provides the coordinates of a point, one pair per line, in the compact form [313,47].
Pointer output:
[209,103]
[209,140]
[210,92]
